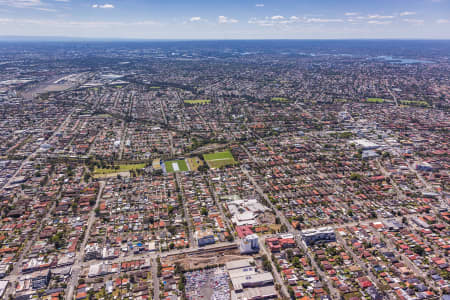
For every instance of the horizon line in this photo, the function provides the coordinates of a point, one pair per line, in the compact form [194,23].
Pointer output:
[93,39]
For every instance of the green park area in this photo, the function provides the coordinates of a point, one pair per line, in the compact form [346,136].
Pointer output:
[219,159]
[280,99]
[197,101]
[173,166]
[415,103]
[375,100]
[117,169]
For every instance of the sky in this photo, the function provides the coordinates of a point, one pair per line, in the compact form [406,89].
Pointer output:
[227,19]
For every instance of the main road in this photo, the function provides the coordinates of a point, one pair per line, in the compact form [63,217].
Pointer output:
[80,253]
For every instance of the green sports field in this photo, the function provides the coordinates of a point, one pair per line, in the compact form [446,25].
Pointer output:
[198,101]
[219,159]
[375,100]
[176,166]
[280,99]
[415,103]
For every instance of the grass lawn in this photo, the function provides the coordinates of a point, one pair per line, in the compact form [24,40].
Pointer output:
[155,87]
[194,163]
[415,103]
[352,295]
[197,101]
[280,99]
[219,159]
[375,100]
[122,168]
[176,166]
[104,116]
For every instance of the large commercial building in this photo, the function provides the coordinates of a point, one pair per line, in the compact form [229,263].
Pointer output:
[249,244]
[204,237]
[319,235]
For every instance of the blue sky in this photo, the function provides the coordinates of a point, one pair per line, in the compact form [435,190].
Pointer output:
[227,19]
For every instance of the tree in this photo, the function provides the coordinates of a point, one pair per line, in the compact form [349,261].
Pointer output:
[204,211]
[86,177]
[419,250]
[355,176]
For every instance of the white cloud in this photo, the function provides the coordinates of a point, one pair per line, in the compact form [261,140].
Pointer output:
[442,21]
[195,19]
[259,5]
[378,17]
[407,13]
[102,6]
[75,24]
[264,22]
[21,3]
[320,20]
[226,20]
[349,14]
[281,20]
[376,22]
[414,21]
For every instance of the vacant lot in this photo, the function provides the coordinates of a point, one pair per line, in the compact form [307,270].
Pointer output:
[219,159]
[176,166]
[197,101]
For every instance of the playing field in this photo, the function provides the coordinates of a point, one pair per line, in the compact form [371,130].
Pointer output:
[219,159]
[415,103]
[198,101]
[375,100]
[176,166]
[280,99]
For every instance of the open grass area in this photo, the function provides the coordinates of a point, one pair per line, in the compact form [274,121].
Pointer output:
[176,166]
[219,159]
[197,101]
[118,169]
[194,163]
[415,103]
[104,116]
[280,99]
[155,87]
[375,100]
